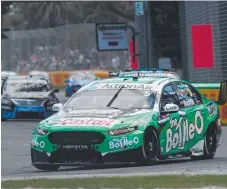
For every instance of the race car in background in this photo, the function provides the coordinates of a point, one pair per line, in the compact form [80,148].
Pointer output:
[76,80]
[8,73]
[3,80]
[131,119]
[43,74]
[27,97]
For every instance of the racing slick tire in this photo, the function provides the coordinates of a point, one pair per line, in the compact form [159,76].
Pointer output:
[210,144]
[150,149]
[46,167]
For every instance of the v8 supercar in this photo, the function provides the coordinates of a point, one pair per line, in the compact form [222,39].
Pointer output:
[26,97]
[129,120]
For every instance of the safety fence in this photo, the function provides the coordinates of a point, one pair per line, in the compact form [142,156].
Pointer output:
[69,47]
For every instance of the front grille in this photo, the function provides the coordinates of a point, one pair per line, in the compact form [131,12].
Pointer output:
[64,156]
[30,115]
[76,137]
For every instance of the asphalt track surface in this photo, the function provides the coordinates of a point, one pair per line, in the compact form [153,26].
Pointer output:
[16,162]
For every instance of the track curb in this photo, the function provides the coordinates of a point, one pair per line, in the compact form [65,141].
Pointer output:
[205,172]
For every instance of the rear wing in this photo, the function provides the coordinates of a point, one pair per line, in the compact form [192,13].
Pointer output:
[213,91]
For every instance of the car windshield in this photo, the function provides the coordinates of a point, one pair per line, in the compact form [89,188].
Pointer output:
[24,85]
[126,99]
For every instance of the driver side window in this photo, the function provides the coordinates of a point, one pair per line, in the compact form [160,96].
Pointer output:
[169,96]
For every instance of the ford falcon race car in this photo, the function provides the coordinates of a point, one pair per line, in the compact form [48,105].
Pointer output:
[129,120]
[27,97]
[76,80]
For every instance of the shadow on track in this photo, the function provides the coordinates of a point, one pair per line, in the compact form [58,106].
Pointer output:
[114,166]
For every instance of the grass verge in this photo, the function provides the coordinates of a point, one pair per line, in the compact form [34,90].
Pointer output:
[119,182]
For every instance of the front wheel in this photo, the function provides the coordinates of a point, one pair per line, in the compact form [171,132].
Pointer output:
[210,144]
[150,149]
[47,167]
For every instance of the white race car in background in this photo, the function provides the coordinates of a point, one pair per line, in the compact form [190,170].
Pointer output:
[43,74]
[8,73]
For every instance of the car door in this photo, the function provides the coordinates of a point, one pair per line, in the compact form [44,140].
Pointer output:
[193,125]
[171,131]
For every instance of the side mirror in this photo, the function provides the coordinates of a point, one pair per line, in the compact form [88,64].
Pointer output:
[171,108]
[56,90]
[56,107]
[222,98]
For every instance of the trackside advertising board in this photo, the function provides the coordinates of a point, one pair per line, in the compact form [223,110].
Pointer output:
[211,91]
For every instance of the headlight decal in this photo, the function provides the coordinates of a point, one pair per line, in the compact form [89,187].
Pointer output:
[40,131]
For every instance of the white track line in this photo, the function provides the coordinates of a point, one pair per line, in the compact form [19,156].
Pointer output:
[208,187]
[205,172]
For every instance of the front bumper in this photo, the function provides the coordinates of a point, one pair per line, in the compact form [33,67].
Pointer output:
[112,149]
[25,112]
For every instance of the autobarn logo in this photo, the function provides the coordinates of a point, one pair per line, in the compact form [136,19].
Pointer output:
[75,147]
[121,131]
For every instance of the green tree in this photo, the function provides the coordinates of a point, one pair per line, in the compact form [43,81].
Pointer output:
[52,14]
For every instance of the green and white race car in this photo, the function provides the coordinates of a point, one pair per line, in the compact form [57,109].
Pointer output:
[131,119]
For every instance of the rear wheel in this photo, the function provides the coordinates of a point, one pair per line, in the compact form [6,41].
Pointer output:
[210,144]
[150,148]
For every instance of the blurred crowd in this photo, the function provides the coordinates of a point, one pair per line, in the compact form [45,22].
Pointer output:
[53,58]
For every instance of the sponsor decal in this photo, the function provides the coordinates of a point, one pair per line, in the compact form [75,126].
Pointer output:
[121,131]
[206,85]
[35,143]
[123,142]
[75,147]
[93,113]
[171,107]
[126,86]
[149,74]
[211,108]
[88,122]
[184,132]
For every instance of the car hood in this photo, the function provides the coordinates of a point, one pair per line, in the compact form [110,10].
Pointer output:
[27,95]
[93,119]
